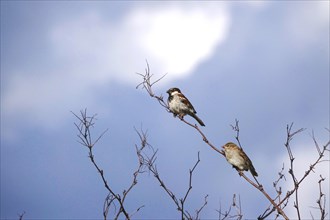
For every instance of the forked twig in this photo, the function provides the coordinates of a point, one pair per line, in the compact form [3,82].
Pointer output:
[321,201]
[227,214]
[84,127]
[21,215]
[147,85]
[149,161]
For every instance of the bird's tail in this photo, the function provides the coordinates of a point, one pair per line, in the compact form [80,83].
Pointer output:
[198,119]
[253,171]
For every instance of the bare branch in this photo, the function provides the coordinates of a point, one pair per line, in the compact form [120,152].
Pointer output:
[322,198]
[198,211]
[149,162]
[236,129]
[284,201]
[147,85]
[21,215]
[204,137]
[227,214]
[278,190]
[307,172]
[84,127]
[191,171]
[261,189]
[190,180]
[137,210]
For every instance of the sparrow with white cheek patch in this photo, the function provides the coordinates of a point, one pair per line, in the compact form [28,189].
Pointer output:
[180,105]
[236,157]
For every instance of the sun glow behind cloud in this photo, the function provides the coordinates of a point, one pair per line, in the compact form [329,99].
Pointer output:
[90,49]
[179,40]
[174,39]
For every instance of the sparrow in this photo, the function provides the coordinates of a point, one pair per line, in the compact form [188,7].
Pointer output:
[180,105]
[236,157]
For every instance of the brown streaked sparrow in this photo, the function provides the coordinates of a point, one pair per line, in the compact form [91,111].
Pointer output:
[180,105]
[236,157]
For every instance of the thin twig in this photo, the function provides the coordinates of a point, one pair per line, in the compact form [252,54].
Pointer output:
[227,214]
[84,127]
[149,161]
[321,198]
[236,129]
[195,126]
[198,211]
[21,215]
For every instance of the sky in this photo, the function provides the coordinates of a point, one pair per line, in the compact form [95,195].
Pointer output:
[265,63]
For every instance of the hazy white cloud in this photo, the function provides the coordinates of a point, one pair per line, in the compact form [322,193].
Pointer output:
[42,100]
[177,40]
[91,49]
[257,5]
[174,39]
[308,22]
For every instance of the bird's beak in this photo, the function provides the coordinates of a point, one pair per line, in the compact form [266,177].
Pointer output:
[168,91]
[223,151]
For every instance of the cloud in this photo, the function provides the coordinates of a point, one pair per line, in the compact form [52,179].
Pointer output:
[89,49]
[177,39]
[308,23]
[174,39]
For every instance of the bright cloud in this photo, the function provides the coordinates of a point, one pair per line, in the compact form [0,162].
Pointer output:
[90,49]
[174,39]
[178,40]
[309,21]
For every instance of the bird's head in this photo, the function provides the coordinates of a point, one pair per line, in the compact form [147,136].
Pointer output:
[173,91]
[229,146]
